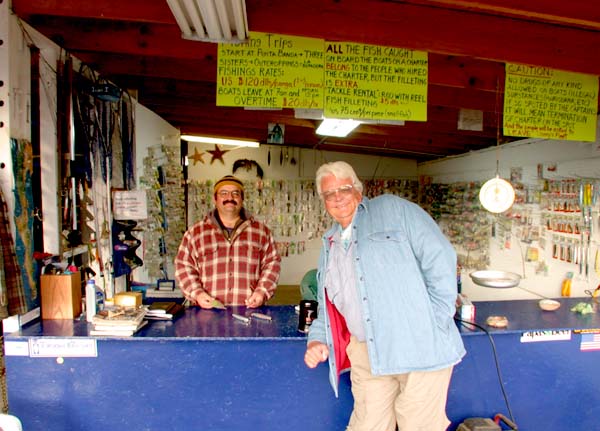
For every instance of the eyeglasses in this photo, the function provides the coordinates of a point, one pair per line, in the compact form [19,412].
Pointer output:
[225,194]
[343,191]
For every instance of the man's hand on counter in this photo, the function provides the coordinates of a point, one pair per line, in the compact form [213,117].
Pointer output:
[256,299]
[205,300]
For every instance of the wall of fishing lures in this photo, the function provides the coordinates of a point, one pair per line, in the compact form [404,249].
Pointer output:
[553,227]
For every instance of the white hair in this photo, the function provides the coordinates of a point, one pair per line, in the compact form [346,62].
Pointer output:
[340,170]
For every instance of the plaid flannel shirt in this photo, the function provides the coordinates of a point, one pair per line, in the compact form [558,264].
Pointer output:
[228,271]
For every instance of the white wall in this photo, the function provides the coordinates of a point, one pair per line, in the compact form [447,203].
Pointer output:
[307,161]
[21,36]
[6,75]
[150,131]
[579,160]
[572,159]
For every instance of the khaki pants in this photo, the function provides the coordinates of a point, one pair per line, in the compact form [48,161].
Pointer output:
[413,401]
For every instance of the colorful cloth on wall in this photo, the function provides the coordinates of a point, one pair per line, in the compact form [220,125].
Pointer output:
[12,296]
[22,158]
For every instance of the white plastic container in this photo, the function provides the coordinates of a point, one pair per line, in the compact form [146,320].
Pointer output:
[99,298]
[90,300]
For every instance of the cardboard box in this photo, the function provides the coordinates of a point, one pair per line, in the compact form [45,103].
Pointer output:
[128,299]
[465,309]
[61,296]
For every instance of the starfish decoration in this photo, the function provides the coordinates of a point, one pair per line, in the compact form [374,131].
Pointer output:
[217,154]
[196,157]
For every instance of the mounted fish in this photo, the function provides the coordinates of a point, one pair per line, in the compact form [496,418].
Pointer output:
[248,165]
[293,159]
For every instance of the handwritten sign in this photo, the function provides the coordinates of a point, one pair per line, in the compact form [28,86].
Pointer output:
[64,347]
[271,71]
[130,205]
[375,82]
[540,102]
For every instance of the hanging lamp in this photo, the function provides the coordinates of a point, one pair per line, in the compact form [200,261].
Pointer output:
[497,195]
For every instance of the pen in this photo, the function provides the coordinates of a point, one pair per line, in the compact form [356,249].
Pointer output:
[261,316]
[241,318]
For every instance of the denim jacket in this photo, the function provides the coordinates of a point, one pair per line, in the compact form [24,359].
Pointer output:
[406,278]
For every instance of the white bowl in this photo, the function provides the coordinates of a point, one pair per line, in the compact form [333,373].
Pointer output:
[549,304]
[496,279]
[497,321]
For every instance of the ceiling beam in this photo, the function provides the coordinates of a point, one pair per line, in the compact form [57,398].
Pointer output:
[466,32]
[138,45]
[453,71]
[576,13]
[151,11]
[203,92]
[233,120]
[420,25]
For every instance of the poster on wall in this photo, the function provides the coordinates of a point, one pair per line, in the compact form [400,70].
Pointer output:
[275,133]
[374,82]
[130,205]
[342,80]
[271,71]
[540,102]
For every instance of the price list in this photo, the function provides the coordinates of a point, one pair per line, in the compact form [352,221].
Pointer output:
[271,71]
[375,82]
[540,102]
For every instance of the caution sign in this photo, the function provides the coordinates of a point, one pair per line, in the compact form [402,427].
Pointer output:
[540,102]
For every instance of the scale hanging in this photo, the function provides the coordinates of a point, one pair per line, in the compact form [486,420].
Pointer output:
[497,195]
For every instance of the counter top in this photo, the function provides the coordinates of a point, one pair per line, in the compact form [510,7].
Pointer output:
[206,369]
[197,323]
[194,323]
[526,315]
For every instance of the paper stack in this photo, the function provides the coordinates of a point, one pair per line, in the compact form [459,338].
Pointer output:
[164,294]
[118,321]
[163,310]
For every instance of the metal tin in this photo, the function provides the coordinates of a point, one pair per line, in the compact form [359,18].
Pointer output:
[308,313]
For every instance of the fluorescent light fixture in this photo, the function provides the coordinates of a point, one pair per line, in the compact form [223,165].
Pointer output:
[220,141]
[335,127]
[211,20]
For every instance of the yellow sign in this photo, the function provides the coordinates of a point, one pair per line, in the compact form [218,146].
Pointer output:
[375,82]
[271,71]
[540,102]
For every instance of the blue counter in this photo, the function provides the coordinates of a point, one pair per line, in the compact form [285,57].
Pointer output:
[207,370]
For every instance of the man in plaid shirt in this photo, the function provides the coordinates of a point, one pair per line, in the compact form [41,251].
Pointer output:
[228,256]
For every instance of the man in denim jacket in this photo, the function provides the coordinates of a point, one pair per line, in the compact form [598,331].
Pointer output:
[387,293]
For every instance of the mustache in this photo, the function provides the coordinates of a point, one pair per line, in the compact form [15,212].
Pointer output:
[230,202]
